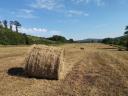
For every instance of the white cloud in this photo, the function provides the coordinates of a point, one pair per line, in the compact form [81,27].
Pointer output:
[46,4]
[31,30]
[41,32]
[81,1]
[71,13]
[100,2]
[24,13]
[97,2]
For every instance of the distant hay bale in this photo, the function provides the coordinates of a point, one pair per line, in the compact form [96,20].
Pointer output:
[111,44]
[44,62]
[120,49]
[81,48]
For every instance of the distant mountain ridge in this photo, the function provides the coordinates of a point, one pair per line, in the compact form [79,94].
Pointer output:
[90,40]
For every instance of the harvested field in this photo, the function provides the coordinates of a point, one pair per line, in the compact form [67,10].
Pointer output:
[98,70]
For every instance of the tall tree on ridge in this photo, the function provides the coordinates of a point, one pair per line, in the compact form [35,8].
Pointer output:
[1,24]
[5,23]
[17,24]
[11,24]
[126,30]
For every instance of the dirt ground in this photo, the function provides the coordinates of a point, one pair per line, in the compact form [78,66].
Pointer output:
[89,70]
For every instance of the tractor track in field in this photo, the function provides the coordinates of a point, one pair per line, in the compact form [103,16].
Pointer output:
[86,82]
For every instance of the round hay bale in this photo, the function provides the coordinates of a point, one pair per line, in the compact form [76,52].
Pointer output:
[44,62]
[81,48]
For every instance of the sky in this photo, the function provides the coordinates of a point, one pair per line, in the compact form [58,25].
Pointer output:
[77,19]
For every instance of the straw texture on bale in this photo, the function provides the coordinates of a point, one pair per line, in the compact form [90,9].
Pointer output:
[44,62]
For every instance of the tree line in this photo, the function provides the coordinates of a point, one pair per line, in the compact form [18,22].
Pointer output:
[121,41]
[5,23]
[60,39]
[10,37]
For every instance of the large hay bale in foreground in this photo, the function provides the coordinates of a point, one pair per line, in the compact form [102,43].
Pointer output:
[44,62]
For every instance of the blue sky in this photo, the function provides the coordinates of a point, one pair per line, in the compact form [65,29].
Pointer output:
[77,19]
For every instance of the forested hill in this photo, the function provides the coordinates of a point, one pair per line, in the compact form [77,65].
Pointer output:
[9,37]
[117,41]
[121,41]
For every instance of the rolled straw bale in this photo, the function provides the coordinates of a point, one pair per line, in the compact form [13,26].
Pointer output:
[44,62]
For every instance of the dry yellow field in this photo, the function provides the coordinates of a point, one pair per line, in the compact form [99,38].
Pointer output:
[89,70]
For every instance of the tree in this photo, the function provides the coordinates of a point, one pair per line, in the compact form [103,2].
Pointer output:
[5,22]
[1,24]
[58,38]
[17,24]
[126,34]
[11,24]
[26,39]
[126,28]
[71,40]
[107,41]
